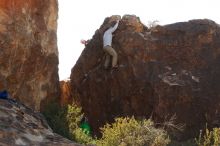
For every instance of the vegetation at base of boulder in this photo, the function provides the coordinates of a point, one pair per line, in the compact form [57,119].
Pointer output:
[83,138]
[56,118]
[209,138]
[65,121]
[123,132]
[189,142]
[132,132]
[74,115]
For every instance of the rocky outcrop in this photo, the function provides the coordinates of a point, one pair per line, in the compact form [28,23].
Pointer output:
[164,70]
[65,93]
[28,50]
[20,125]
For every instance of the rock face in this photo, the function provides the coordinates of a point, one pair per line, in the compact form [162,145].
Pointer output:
[164,70]
[19,125]
[28,50]
[65,93]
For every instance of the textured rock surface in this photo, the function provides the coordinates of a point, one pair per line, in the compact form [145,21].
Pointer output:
[165,70]
[28,50]
[19,125]
[65,93]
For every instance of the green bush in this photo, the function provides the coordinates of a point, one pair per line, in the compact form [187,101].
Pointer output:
[56,118]
[82,138]
[65,121]
[123,132]
[209,138]
[74,115]
[131,132]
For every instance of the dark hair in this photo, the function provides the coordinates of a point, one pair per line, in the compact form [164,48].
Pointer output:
[112,23]
[107,26]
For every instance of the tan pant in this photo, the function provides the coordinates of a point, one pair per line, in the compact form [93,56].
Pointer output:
[110,52]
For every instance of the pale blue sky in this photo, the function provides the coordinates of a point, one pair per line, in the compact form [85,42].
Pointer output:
[79,19]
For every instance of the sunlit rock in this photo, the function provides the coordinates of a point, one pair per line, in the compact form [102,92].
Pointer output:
[28,50]
[163,71]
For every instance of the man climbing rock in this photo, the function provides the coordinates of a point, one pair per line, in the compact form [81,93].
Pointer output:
[107,46]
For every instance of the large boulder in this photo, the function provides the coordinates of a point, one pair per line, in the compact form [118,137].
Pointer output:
[65,93]
[21,126]
[28,50]
[163,71]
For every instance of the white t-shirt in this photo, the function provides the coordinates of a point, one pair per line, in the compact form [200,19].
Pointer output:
[107,37]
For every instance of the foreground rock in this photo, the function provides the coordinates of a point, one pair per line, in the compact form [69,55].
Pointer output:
[165,70]
[28,50]
[19,125]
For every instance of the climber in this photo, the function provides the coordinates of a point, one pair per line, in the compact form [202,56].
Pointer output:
[84,125]
[107,46]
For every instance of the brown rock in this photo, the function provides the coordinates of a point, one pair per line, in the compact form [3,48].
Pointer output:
[165,70]
[65,96]
[28,50]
